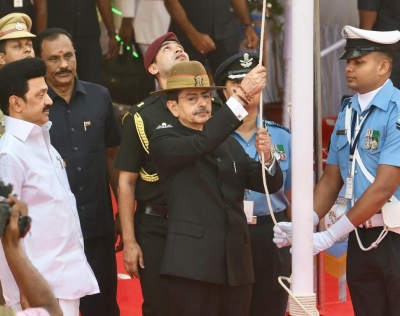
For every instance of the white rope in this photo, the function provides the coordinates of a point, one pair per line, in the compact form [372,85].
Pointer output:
[300,305]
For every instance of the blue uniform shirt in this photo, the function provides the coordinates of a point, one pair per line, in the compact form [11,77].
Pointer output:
[381,121]
[280,136]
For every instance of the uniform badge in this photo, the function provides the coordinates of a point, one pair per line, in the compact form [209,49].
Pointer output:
[19,26]
[140,104]
[198,81]
[398,122]
[279,152]
[367,142]
[247,62]
[375,140]
[164,125]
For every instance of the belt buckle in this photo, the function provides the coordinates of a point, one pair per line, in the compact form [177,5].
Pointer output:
[253,221]
[367,224]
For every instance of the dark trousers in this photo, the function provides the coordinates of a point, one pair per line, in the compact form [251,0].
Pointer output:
[373,276]
[89,58]
[395,76]
[100,254]
[269,262]
[151,234]
[196,298]
[226,48]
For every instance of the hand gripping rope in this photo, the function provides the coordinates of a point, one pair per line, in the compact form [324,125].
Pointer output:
[300,305]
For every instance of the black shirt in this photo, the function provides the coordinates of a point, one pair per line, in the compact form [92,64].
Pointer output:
[84,151]
[212,17]
[150,115]
[78,17]
[388,13]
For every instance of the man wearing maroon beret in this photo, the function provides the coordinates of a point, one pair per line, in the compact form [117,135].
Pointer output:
[144,229]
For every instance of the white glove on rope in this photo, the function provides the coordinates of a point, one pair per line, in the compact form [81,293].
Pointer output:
[326,239]
[284,229]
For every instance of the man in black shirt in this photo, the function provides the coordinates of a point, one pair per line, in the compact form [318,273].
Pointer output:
[80,19]
[144,233]
[87,135]
[382,15]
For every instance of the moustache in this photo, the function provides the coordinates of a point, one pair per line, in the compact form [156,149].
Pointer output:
[64,71]
[47,107]
[201,110]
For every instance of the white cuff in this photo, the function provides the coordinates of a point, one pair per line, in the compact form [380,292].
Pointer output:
[237,108]
[341,228]
[272,168]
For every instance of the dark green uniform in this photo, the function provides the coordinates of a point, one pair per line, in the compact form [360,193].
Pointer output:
[150,216]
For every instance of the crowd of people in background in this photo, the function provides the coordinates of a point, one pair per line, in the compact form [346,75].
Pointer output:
[184,164]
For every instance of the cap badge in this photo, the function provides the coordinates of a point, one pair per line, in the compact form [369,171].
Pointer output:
[246,63]
[18,26]
[198,81]
[345,35]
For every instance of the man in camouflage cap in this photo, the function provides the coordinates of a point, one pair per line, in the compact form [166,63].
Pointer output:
[15,43]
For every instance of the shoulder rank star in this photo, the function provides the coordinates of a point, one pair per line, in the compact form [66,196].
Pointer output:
[164,125]
[246,63]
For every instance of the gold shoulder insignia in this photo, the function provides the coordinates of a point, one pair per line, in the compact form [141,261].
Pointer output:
[140,130]
[126,114]
[145,143]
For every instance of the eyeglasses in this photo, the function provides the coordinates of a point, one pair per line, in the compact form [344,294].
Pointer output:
[193,98]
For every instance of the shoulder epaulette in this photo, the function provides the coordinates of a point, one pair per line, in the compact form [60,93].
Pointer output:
[272,123]
[345,103]
[140,106]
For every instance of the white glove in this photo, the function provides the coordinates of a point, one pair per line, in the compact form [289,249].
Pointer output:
[327,238]
[281,231]
[284,229]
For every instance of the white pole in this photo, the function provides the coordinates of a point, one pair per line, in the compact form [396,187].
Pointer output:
[302,146]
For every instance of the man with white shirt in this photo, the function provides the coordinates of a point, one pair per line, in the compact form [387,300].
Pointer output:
[37,172]
[146,20]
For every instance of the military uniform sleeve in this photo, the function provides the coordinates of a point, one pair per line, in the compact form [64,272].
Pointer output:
[170,150]
[131,153]
[391,149]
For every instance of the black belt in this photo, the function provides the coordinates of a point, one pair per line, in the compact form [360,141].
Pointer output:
[267,219]
[152,209]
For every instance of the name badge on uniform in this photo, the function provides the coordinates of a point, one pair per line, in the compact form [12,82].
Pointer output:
[349,188]
[18,4]
[249,210]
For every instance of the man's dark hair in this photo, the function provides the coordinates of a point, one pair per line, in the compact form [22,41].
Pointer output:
[173,95]
[14,79]
[50,34]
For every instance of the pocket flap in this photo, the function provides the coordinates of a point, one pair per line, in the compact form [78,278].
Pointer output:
[186,229]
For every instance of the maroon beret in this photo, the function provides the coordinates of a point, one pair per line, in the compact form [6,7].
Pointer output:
[155,46]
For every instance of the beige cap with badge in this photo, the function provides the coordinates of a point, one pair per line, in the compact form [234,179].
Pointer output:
[15,25]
